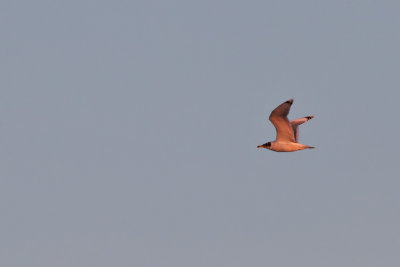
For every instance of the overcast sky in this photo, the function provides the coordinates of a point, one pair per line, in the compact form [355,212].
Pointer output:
[129,133]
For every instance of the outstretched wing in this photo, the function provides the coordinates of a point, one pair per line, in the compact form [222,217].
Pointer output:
[278,117]
[295,125]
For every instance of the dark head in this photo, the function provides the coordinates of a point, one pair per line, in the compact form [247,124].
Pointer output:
[266,145]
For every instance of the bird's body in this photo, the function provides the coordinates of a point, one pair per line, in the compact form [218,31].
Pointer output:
[287,147]
[287,132]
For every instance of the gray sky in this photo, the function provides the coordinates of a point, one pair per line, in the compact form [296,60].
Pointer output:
[129,133]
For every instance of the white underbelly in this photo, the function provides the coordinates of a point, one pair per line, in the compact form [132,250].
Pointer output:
[286,147]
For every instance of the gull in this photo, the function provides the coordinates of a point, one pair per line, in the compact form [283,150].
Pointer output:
[287,132]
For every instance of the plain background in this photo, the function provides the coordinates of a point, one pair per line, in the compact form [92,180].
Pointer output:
[129,133]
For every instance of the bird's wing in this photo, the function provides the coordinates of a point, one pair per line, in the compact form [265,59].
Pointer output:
[278,117]
[295,128]
[295,125]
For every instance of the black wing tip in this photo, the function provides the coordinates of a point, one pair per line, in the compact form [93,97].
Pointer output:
[290,101]
[309,117]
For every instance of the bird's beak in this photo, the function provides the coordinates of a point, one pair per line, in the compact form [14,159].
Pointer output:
[259,146]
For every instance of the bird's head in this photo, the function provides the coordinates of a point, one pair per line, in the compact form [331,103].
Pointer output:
[266,145]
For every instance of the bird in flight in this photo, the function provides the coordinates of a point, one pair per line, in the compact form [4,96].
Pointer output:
[287,132]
